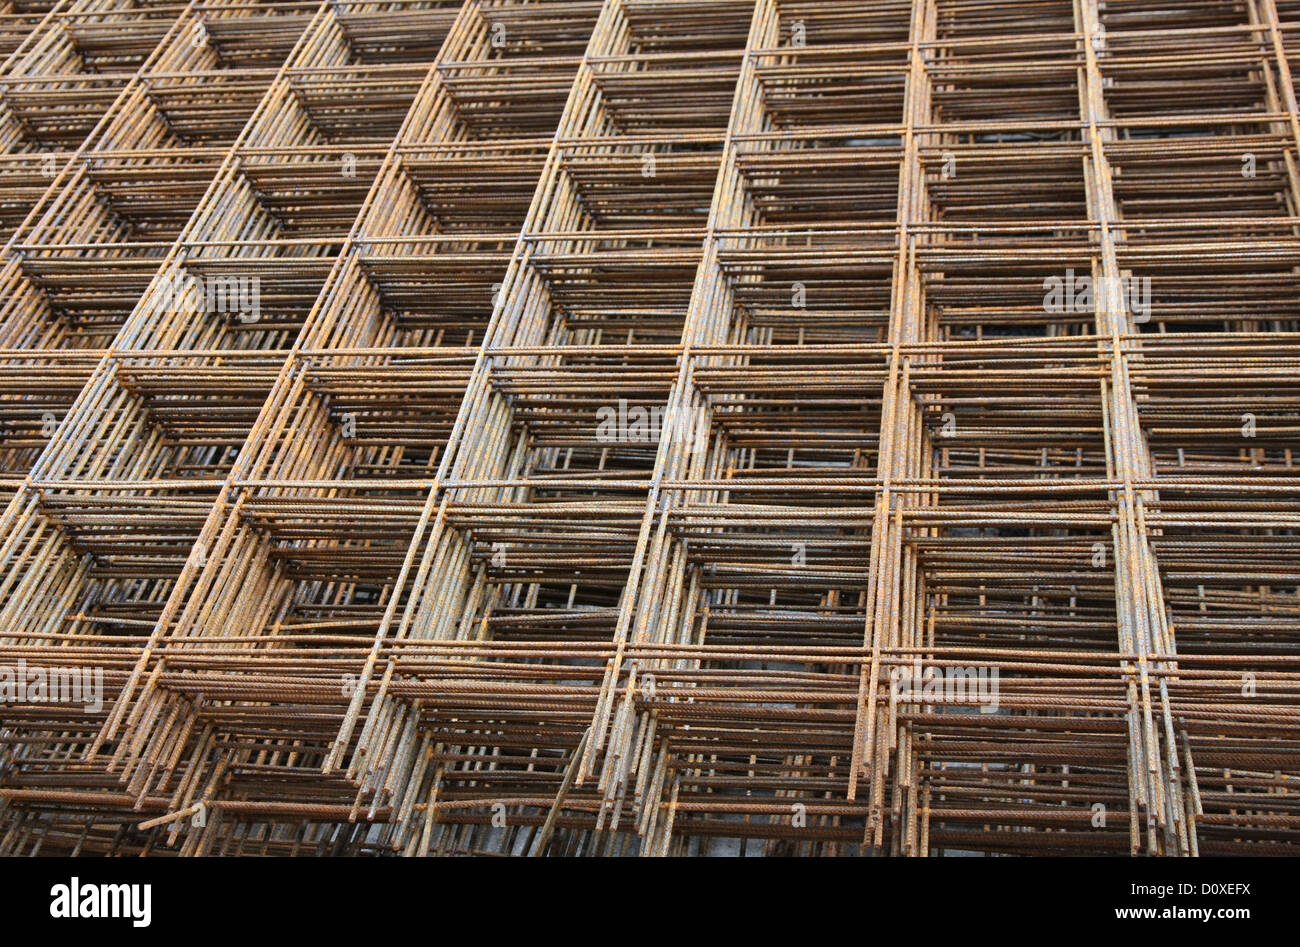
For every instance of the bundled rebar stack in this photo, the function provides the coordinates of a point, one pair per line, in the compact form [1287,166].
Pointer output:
[660,427]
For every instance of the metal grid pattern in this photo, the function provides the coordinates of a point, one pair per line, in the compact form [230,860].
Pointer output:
[636,426]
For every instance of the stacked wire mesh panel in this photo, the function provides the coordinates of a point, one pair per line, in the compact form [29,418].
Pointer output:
[651,427]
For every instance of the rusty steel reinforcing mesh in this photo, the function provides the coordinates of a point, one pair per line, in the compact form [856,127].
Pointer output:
[659,427]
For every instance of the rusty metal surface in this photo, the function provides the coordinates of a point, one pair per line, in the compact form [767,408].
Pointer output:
[649,427]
